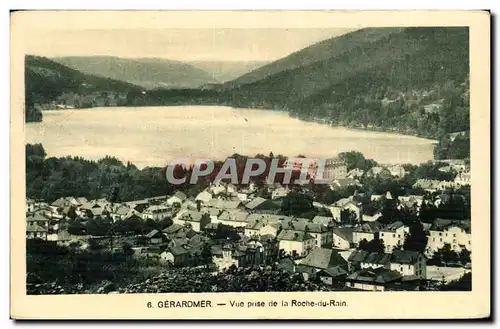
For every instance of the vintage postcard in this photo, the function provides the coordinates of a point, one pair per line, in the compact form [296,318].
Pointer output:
[250,165]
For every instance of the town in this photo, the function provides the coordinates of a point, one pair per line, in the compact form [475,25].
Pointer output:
[365,230]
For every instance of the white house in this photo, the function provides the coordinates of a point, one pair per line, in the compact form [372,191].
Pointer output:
[355,173]
[177,198]
[372,218]
[295,242]
[214,213]
[417,199]
[252,229]
[397,171]
[242,196]
[120,212]
[239,255]
[453,232]
[196,219]
[409,263]
[204,197]
[340,183]
[463,178]
[348,204]
[322,234]
[323,220]
[376,197]
[367,231]
[263,224]
[393,235]
[269,230]
[342,238]
[156,212]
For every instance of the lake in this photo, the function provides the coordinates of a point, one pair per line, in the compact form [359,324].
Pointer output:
[151,136]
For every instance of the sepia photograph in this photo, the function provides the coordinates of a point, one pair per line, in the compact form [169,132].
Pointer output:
[321,163]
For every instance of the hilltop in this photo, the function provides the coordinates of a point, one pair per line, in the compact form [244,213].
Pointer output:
[318,52]
[146,72]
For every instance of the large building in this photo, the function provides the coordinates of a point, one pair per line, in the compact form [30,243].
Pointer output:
[456,233]
[335,169]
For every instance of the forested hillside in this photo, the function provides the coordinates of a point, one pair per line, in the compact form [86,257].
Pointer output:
[50,85]
[413,81]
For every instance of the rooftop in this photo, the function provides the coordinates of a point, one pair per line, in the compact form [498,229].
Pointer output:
[323,258]
[379,275]
[289,235]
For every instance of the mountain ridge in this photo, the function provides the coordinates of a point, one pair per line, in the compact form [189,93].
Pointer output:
[149,73]
[316,52]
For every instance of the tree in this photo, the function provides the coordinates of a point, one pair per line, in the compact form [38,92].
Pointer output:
[127,249]
[296,203]
[76,227]
[355,159]
[446,255]
[347,217]
[226,232]
[375,245]
[94,245]
[99,227]
[390,212]
[427,213]
[149,225]
[206,254]
[165,222]
[464,256]
[462,284]
[35,150]
[417,239]
[72,213]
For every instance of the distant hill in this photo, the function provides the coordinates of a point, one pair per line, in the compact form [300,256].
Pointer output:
[146,72]
[49,84]
[411,80]
[223,71]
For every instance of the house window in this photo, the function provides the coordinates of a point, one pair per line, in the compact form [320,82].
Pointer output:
[381,234]
[454,235]
[399,235]
[440,234]
[454,240]
[401,269]
[433,239]
[441,240]
[394,235]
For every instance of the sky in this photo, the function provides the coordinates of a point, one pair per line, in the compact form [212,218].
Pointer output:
[184,44]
